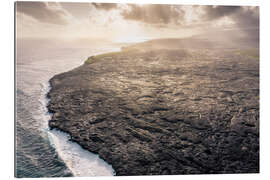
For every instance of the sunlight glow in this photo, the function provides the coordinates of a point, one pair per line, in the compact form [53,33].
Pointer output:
[131,39]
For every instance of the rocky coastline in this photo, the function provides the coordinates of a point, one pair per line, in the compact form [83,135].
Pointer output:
[164,110]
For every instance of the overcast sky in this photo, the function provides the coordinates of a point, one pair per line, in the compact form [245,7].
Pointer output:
[120,22]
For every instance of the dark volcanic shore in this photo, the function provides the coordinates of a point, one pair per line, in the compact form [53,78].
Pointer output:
[164,110]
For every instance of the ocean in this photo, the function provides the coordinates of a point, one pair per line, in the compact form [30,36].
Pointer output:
[41,152]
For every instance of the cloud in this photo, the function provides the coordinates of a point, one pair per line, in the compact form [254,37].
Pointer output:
[105,6]
[77,10]
[43,19]
[42,12]
[215,12]
[248,20]
[154,14]
[245,18]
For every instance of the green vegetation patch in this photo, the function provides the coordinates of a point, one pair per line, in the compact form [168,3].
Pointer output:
[92,59]
[124,51]
[250,53]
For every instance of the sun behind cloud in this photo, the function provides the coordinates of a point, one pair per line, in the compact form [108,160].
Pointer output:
[128,22]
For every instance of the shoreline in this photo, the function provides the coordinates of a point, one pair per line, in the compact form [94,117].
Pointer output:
[60,140]
[55,135]
[120,117]
[65,136]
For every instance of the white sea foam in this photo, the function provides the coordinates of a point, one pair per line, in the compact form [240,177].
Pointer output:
[79,161]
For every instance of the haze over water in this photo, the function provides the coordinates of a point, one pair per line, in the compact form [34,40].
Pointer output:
[41,152]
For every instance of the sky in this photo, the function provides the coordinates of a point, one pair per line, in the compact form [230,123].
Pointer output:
[131,22]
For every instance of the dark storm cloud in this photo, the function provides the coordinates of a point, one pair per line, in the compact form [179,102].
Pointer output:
[104,6]
[248,20]
[215,12]
[154,14]
[41,12]
[245,18]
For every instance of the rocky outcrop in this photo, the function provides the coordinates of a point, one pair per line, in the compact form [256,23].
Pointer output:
[163,111]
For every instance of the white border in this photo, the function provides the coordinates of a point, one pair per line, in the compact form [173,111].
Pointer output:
[7,88]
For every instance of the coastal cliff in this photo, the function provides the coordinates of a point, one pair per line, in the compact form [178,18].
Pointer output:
[158,109]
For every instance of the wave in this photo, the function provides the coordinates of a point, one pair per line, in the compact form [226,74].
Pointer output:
[41,152]
[79,161]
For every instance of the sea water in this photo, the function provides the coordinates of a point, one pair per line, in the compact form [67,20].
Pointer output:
[41,152]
